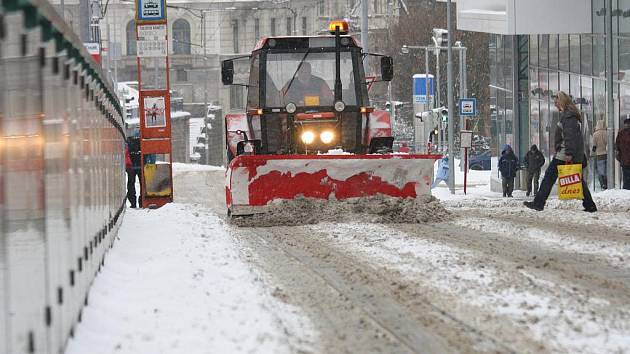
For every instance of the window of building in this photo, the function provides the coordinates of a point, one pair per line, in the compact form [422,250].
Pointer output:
[272,28]
[533,50]
[624,58]
[289,21]
[574,56]
[131,38]
[599,15]
[181,75]
[599,55]
[304,28]
[257,29]
[563,52]
[553,52]
[543,50]
[181,37]
[586,54]
[235,36]
[377,7]
[236,97]
[321,8]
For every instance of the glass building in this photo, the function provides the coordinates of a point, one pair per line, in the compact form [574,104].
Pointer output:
[528,69]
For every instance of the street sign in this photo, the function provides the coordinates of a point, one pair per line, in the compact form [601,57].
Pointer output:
[466,138]
[150,10]
[94,49]
[152,41]
[468,107]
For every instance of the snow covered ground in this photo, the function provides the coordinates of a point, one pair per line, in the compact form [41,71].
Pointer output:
[496,277]
[175,283]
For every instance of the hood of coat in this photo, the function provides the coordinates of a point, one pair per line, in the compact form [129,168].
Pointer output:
[534,148]
[601,125]
[506,149]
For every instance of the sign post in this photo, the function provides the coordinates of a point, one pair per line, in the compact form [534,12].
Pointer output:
[465,139]
[156,177]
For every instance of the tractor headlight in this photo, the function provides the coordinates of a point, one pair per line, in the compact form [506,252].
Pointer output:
[291,108]
[327,137]
[308,137]
[340,106]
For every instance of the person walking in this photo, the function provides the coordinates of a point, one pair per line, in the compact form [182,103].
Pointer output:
[132,164]
[442,172]
[534,161]
[622,143]
[569,146]
[600,148]
[508,165]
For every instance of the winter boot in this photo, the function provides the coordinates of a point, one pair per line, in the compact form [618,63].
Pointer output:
[533,206]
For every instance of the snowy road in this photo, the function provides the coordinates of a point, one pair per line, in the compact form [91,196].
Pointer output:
[496,278]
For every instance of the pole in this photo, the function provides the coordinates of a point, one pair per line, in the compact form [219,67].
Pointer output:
[428,101]
[205,87]
[451,105]
[364,26]
[465,169]
[462,94]
[610,104]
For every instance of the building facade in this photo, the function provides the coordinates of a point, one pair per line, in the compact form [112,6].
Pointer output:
[566,52]
[231,28]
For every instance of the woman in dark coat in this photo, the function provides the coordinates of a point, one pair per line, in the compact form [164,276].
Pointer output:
[569,145]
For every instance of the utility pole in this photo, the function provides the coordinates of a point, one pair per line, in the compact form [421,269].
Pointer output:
[364,25]
[451,105]
[610,104]
[205,86]
[463,93]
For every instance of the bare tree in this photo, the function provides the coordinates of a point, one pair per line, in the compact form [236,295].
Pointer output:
[415,28]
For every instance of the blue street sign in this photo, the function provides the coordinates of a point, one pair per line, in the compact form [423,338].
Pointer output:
[468,107]
[150,10]
[420,87]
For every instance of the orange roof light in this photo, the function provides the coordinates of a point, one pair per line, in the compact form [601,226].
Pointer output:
[343,27]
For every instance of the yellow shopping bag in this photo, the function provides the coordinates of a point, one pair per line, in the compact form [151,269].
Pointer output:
[570,182]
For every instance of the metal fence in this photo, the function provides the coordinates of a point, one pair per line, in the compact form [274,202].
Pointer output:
[62,184]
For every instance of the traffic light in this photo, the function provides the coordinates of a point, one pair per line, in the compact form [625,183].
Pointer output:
[440,37]
[441,112]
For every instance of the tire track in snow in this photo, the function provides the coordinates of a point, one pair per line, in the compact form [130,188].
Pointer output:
[382,311]
[551,237]
[517,301]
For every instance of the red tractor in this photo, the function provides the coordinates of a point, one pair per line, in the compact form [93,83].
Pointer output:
[309,128]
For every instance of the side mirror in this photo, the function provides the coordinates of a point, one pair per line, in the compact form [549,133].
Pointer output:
[227,72]
[387,68]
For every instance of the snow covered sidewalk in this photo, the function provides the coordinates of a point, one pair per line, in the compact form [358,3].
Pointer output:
[175,283]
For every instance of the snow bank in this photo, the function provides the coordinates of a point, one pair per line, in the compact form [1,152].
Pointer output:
[615,200]
[175,283]
[376,209]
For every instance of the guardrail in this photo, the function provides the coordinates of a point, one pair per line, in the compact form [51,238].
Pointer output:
[62,183]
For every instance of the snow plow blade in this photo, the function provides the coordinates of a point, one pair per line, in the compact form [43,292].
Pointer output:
[254,181]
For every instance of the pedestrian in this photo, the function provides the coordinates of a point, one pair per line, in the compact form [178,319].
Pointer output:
[600,148]
[508,165]
[622,143]
[132,164]
[442,172]
[534,161]
[569,146]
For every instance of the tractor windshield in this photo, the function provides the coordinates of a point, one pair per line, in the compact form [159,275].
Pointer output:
[308,79]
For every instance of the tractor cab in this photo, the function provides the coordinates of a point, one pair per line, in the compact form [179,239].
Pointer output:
[307,95]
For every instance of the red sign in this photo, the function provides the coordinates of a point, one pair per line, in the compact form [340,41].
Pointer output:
[94,49]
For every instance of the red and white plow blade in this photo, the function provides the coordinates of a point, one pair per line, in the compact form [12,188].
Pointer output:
[253,181]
